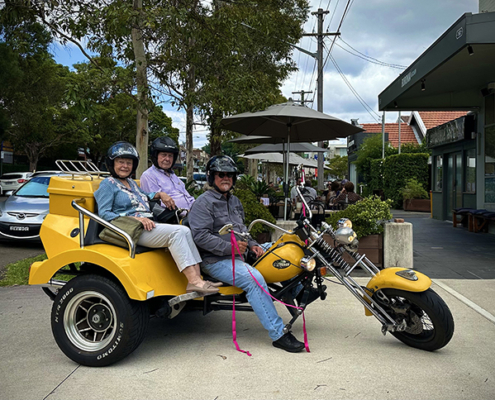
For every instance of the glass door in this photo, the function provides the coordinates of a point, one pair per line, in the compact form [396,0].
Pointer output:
[454,182]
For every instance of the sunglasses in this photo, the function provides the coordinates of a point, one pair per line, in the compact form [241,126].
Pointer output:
[225,174]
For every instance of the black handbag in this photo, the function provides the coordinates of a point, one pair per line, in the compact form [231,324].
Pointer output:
[129,225]
[165,215]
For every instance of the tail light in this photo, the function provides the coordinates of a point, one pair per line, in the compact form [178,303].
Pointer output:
[21,180]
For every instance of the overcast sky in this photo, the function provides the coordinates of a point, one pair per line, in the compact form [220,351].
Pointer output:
[393,32]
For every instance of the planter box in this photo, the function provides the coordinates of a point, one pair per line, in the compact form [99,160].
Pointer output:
[417,205]
[371,245]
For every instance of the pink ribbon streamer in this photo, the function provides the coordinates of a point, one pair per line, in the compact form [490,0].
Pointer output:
[235,247]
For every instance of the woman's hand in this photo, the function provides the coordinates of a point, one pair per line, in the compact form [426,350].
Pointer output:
[167,200]
[147,223]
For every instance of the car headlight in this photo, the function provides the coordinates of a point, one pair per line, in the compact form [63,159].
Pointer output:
[308,264]
[345,235]
[344,223]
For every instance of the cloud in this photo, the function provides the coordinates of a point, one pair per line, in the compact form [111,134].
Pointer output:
[391,31]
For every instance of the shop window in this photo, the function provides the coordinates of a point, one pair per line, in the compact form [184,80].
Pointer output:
[438,173]
[470,171]
[490,164]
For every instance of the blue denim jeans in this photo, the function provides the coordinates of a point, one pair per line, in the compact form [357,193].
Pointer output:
[262,303]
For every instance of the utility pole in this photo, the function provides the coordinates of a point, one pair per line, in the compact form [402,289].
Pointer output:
[319,57]
[302,93]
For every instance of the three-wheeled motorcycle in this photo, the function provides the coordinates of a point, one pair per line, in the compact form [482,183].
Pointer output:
[101,314]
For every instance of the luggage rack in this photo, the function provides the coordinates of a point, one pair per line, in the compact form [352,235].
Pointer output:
[80,167]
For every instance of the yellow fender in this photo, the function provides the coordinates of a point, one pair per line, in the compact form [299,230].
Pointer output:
[152,271]
[389,279]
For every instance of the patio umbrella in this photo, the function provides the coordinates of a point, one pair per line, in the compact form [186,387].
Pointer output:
[279,148]
[291,122]
[277,158]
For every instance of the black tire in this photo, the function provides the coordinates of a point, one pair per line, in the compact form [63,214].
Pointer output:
[117,328]
[430,324]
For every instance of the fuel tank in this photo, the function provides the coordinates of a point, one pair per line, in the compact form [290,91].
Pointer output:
[283,260]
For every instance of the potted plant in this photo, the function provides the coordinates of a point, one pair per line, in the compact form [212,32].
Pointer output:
[367,216]
[415,196]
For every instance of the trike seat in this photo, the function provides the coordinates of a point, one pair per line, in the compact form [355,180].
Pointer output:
[92,237]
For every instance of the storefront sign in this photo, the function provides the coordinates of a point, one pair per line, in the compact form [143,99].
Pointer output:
[450,132]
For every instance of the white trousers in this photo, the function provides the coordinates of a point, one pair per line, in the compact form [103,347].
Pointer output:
[177,238]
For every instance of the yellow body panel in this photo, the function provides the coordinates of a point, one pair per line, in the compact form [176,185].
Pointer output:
[388,279]
[290,251]
[154,270]
[63,190]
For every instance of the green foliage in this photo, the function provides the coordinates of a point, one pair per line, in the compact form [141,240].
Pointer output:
[413,190]
[371,149]
[338,166]
[376,175]
[253,209]
[32,94]
[366,216]
[399,168]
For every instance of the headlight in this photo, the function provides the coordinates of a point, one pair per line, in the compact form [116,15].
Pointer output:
[308,264]
[344,223]
[345,235]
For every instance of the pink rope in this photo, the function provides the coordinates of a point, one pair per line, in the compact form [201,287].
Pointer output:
[234,324]
[233,242]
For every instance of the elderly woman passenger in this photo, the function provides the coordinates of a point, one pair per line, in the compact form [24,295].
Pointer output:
[119,195]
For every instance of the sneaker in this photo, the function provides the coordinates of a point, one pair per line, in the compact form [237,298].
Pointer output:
[289,343]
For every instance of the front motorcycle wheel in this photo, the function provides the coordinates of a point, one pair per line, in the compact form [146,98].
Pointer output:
[430,324]
[95,323]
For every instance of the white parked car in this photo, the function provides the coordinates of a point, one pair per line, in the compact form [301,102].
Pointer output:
[13,180]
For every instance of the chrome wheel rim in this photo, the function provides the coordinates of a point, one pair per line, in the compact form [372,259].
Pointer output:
[89,321]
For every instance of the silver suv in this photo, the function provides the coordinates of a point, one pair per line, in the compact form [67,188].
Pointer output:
[13,180]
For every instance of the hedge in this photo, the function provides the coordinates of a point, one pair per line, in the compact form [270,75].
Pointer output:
[398,169]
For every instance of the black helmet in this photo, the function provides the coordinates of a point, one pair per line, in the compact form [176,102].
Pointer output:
[220,164]
[165,144]
[123,150]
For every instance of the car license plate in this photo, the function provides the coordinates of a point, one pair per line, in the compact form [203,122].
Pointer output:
[19,228]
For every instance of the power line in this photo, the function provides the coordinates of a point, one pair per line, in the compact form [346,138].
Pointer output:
[356,94]
[369,58]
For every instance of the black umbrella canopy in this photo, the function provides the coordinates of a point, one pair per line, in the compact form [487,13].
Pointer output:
[278,148]
[292,121]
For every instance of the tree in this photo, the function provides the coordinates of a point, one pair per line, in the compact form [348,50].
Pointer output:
[107,111]
[338,166]
[371,149]
[33,96]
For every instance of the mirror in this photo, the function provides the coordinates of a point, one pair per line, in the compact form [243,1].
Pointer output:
[225,229]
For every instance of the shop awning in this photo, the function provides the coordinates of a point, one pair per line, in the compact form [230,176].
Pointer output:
[454,73]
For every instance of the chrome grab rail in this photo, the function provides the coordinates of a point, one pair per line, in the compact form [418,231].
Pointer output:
[89,214]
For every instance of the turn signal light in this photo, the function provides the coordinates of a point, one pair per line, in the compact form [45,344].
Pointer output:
[323,271]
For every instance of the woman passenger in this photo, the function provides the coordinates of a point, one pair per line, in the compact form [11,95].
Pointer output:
[119,195]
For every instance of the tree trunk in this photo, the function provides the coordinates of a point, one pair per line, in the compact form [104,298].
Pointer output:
[216,134]
[189,142]
[142,90]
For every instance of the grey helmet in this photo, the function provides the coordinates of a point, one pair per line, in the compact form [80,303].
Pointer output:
[164,144]
[220,164]
[122,150]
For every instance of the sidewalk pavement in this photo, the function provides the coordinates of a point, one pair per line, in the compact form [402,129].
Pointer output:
[192,356]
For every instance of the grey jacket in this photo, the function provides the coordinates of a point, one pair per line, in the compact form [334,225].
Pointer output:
[210,212]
